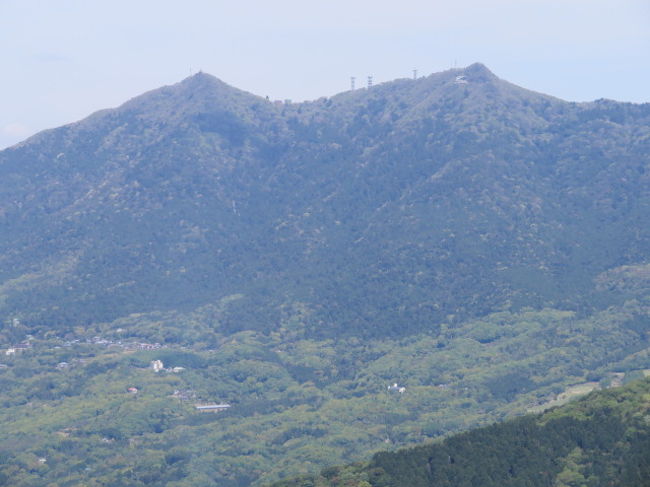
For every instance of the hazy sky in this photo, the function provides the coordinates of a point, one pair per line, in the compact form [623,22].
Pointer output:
[63,59]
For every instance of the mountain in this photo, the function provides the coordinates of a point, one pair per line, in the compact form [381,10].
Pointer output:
[481,246]
[376,212]
[601,440]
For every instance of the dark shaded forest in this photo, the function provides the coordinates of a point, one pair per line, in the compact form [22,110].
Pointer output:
[603,439]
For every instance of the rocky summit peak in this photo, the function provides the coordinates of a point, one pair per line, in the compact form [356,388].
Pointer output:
[204,83]
[202,78]
[479,72]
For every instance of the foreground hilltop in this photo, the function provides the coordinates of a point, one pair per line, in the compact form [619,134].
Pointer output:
[378,211]
[603,439]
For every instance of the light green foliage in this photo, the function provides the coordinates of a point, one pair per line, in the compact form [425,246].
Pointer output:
[573,473]
[298,403]
[602,439]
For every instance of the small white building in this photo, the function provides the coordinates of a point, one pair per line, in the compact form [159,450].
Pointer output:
[157,365]
[211,408]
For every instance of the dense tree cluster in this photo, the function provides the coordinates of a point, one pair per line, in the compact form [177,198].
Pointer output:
[383,211]
[86,404]
[603,439]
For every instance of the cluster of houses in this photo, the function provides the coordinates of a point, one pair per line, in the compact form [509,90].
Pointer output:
[187,395]
[107,342]
[156,366]
[184,394]
[129,346]
[72,363]
[140,346]
[97,340]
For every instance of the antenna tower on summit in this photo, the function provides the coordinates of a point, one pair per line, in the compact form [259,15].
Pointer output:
[415,74]
[352,78]
[369,81]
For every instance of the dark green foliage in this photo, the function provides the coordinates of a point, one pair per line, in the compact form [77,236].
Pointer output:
[507,386]
[603,439]
[384,212]
[297,259]
[512,453]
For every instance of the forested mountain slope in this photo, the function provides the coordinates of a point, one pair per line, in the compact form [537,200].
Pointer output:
[89,409]
[601,440]
[481,246]
[380,211]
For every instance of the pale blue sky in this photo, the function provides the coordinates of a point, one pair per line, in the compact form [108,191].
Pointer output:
[63,59]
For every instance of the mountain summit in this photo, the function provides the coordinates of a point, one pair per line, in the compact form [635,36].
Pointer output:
[382,210]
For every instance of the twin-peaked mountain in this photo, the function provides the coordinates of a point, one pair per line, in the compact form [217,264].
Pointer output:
[386,210]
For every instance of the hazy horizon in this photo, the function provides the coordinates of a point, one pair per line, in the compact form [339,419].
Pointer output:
[72,58]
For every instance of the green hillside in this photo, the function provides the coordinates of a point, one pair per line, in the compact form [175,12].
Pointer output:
[602,440]
[354,274]
[381,211]
[298,403]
